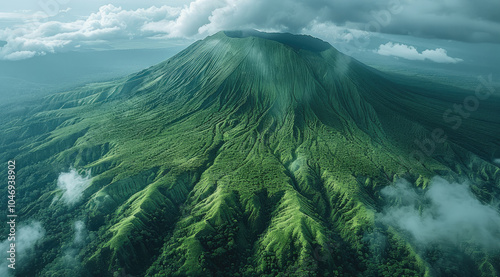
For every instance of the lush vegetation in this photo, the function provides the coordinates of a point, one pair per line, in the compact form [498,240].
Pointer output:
[243,156]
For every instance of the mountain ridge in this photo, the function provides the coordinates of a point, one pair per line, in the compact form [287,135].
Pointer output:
[240,155]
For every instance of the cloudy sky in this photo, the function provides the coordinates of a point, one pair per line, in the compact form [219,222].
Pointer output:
[425,31]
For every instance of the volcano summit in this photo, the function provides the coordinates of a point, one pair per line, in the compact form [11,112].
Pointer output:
[249,154]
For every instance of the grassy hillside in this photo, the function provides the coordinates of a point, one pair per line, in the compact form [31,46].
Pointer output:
[243,155]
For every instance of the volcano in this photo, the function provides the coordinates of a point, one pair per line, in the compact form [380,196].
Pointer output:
[246,154]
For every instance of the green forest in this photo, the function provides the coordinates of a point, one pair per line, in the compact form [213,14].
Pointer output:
[252,154]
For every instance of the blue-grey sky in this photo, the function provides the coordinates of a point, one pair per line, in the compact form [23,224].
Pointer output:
[37,27]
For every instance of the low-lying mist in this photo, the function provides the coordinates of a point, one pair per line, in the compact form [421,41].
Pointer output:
[72,185]
[71,259]
[446,212]
[27,237]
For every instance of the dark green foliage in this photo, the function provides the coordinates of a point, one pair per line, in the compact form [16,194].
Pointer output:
[243,155]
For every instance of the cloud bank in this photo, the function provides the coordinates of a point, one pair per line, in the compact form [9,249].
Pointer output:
[424,18]
[340,20]
[446,212]
[72,186]
[438,55]
[110,23]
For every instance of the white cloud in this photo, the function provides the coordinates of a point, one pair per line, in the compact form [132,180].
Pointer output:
[72,186]
[195,20]
[342,22]
[334,33]
[197,16]
[447,212]
[399,50]
[438,55]
[19,55]
[108,24]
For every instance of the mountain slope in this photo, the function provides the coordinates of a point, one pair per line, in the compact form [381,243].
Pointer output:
[247,153]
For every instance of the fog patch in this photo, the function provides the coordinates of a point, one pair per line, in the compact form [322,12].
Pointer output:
[299,163]
[27,236]
[72,185]
[80,232]
[377,244]
[26,239]
[4,270]
[446,212]
[71,258]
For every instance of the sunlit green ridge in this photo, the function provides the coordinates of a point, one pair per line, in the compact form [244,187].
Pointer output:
[244,155]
